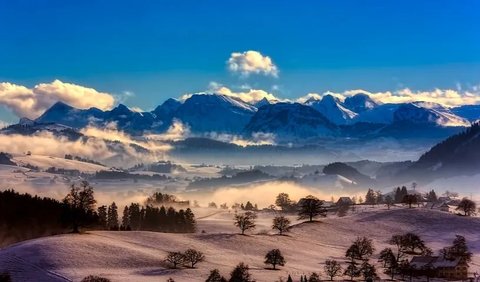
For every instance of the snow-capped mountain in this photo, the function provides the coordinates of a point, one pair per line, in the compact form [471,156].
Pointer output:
[167,109]
[62,113]
[291,121]
[427,113]
[358,116]
[201,112]
[124,118]
[360,103]
[262,102]
[215,113]
[332,108]
[380,114]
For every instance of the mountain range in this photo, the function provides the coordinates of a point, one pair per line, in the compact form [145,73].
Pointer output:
[357,116]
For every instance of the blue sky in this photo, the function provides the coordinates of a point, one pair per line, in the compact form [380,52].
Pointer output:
[161,49]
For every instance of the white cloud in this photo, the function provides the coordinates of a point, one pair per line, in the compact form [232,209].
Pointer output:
[246,95]
[252,62]
[32,102]
[317,96]
[176,131]
[445,97]
[257,139]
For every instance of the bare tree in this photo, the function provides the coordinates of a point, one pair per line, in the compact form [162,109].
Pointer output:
[275,257]
[284,202]
[245,221]
[332,268]
[81,202]
[175,258]
[388,201]
[467,206]
[311,207]
[281,223]
[192,257]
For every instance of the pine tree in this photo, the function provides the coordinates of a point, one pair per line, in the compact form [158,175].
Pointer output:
[370,198]
[241,274]
[126,218]
[215,276]
[135,216]
[112,220]
[102,216]
[459,249]
[314,277]
[432,196]
[190,223]
[249,206]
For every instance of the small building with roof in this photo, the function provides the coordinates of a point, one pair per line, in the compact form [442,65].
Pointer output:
[440,267]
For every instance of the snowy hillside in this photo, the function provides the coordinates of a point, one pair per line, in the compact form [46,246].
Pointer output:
[45,162]
[138,256]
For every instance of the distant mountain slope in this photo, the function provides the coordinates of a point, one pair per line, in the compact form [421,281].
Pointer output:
[359,103]
[459,152]
[380,114]
[201,112]
[470,112]
[428,113]
[215,113]
[208,114]
[348,172]
[332,109]
[290,121]
[29,127]
[124,118]
[455,156]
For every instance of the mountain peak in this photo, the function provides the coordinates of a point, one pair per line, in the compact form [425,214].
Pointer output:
[26,121]
[121,109]
[59,105]
[360,102]
[330,99]
[262,102]
[290,121]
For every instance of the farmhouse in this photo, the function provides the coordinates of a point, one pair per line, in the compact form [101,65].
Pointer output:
[440,267]
[344,201]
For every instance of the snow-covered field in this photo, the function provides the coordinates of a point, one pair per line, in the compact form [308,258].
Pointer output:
[138,256]
[45,162]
